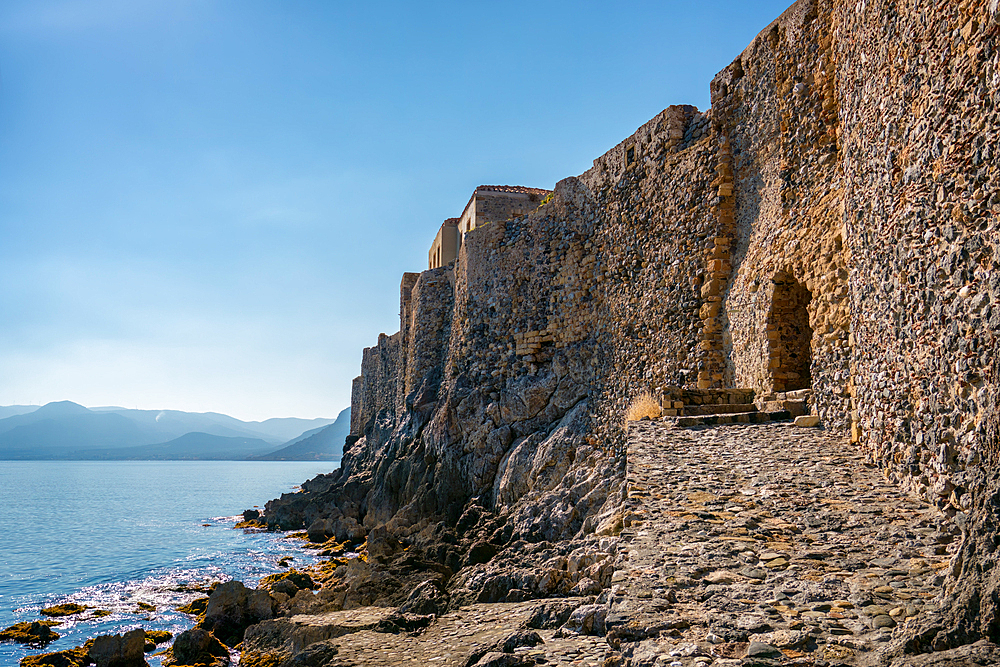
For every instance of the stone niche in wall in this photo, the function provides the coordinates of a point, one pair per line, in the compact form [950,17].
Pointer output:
[789,335]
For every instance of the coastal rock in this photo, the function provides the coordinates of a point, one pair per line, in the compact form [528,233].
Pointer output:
[278,640]
[318,654]
[982,652]
[126,650]
[585,586]
[232,607]
[38,633]
[196,607]
[75,657]
[588,619]
[382,545]
[426,598]
[287,582]
[67,609]
[156,637]
[519,639]
[197,647]
[551,615]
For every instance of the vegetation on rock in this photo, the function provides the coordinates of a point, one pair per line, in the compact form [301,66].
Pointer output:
[37,633]
[67,609]
[159,636]
[196,607]
[196,647]
[74,657]
[643,406]
[300,579]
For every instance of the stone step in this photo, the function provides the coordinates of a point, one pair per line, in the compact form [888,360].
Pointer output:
[734,418]
[796,407]
[706,396]
[718,409]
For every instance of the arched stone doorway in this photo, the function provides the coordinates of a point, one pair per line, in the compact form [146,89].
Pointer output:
[789,335]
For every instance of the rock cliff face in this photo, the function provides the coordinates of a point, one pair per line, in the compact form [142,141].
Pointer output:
[831,223]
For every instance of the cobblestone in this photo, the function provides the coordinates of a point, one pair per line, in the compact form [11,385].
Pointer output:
[771,540]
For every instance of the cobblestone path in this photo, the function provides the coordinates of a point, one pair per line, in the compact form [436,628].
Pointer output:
[767,542]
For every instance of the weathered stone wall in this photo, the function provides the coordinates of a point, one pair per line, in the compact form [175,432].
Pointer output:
[720,249]
[832,222]
[656,234]
[918,85]
[426,327]
[374,392]
[922,206]
[564,314]
[787,313]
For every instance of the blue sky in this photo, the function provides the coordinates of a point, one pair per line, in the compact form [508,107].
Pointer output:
[207,205]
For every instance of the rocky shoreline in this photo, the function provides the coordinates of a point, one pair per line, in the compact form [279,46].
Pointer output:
[812,232]
[739,544]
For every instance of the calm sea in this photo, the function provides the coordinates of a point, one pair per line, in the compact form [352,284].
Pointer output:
[111,534]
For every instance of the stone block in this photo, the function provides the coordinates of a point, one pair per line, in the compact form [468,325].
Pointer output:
[807,421]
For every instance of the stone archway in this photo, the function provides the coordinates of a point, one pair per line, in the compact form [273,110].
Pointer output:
[789,335]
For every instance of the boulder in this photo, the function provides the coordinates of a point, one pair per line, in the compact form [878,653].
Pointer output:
[196,607]
[382,546]
[279,640]
[586,586]
[318,654]
[36,633]
[551,615]
[68,609]
[126,650]
[588,620]
[284,586]
[519,639]
[198,647]
[232,607]
[74,657]
[426,598]
[291,582]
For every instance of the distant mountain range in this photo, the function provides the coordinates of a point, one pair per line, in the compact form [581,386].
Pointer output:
[67,430]
[320,444]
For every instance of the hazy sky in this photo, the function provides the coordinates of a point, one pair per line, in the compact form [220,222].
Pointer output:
[207,205]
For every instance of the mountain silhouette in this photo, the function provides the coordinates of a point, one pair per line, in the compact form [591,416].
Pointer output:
[65,430]
[188,447]
[322,444]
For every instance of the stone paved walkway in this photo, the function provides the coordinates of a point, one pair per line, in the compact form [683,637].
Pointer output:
[771,541]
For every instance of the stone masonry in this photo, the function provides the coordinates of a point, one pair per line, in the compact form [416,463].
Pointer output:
[830,225]
[768,541]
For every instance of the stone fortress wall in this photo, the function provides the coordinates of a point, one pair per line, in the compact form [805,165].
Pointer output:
[716,249]
[831,222]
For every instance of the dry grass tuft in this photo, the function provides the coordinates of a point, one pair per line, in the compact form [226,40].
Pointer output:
[643,405]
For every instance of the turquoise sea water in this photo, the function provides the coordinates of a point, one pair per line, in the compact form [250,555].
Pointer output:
[110,534]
